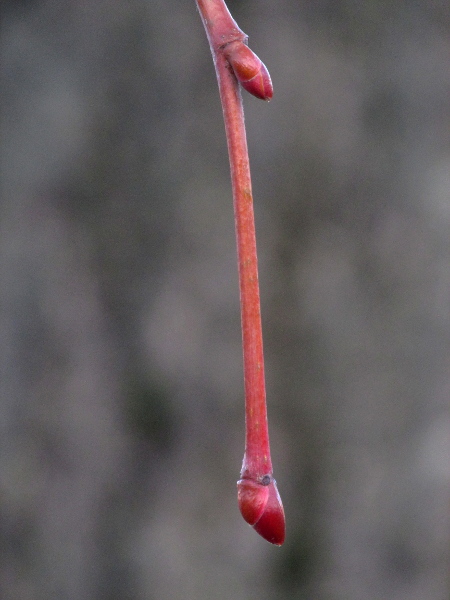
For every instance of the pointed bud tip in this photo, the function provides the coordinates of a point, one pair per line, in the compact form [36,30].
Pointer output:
[272,526]
[260,85]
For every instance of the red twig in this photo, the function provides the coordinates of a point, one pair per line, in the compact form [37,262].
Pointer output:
[258,497]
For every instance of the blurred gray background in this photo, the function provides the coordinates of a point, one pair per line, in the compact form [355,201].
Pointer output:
[121,408]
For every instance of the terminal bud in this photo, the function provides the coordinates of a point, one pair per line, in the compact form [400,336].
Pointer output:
[260,505]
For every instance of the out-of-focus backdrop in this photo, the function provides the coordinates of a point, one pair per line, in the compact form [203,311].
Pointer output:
[121,408]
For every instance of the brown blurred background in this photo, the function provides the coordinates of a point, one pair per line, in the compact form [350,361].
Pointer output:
[121,407]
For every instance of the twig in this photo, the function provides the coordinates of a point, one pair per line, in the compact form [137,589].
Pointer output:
[235,64]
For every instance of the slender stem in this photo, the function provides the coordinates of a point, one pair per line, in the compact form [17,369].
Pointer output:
[221,26]
[257,460]
[234,62]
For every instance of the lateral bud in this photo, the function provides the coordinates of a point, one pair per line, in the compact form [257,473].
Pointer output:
[250,71]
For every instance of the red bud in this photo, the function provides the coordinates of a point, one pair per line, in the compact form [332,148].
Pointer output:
[251,73]
[261,507]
